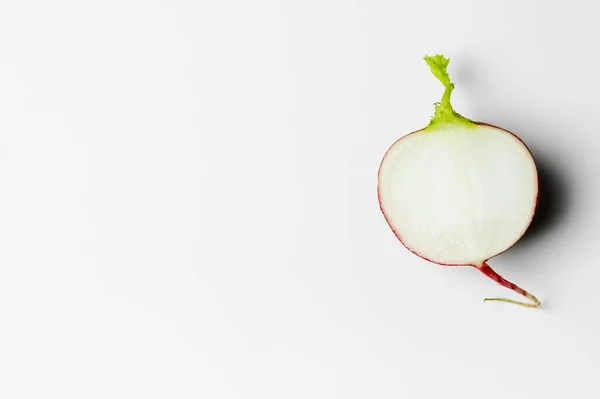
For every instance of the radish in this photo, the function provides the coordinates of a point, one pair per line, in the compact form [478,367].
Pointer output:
[458,192]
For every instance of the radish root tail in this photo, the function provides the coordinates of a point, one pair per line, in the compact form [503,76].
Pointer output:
[488,271]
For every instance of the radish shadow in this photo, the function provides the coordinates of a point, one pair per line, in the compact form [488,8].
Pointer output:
[489,95]
[553,200]
[493,103]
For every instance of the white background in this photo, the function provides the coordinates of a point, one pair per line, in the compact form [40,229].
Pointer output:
[188,200]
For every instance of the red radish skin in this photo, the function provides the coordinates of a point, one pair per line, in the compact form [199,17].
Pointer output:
[482,266]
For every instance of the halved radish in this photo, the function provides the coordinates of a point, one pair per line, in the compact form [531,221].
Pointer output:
[459,192]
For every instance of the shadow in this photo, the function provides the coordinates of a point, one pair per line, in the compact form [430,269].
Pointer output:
[553,200]
[486,93]
[493,103]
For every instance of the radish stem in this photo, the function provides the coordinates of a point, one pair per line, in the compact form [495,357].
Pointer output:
[444,113]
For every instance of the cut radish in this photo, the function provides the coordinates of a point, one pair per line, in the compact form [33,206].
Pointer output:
[459,192]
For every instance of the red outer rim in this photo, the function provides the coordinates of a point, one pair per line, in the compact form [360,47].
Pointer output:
[535,205]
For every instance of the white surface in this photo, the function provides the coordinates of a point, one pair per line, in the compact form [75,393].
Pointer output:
[458,195]
[188,204]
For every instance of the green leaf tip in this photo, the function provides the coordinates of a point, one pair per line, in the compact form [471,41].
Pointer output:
[444,113]
[439,68]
